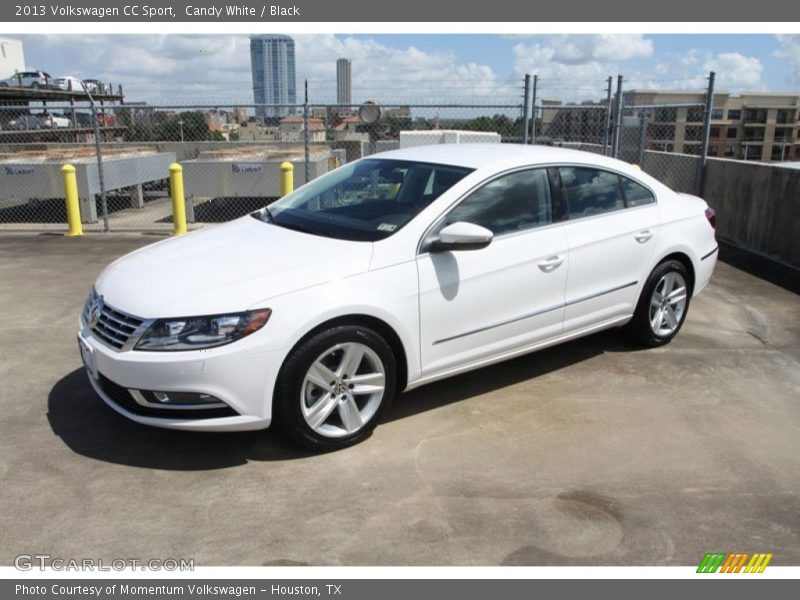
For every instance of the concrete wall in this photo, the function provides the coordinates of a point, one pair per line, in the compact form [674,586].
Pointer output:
[191,150]
[758,206]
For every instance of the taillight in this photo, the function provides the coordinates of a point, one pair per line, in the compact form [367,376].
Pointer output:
[711,215]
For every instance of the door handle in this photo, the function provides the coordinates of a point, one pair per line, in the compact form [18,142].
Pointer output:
[551,263]
[643,236]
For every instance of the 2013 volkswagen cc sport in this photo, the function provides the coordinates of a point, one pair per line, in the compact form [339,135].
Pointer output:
[388,273]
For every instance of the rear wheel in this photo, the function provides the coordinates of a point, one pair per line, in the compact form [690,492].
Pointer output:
[333,388]
[663,304]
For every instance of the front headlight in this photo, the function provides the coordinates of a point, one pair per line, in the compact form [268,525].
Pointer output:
[196,333]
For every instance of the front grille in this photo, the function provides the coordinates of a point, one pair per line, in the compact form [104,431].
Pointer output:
[115,327]
[122,398]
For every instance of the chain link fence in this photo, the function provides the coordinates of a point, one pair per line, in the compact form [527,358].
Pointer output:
[232,154]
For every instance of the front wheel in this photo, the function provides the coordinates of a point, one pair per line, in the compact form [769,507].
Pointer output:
[333,388]
[663,304]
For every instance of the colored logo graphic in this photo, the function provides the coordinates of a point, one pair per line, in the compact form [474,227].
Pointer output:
[734,562]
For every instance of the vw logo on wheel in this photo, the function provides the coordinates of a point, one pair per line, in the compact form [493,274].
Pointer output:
[95,311]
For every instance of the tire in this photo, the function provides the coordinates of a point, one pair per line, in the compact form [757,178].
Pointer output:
[317,407]
[656,319]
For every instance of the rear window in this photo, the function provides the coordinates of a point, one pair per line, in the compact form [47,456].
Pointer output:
[636,194]
[591,191]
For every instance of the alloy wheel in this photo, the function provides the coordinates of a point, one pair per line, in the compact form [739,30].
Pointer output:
[342,389]
[668,304]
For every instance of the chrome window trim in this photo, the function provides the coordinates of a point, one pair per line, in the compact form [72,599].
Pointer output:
[549,165]
[437,221]
[621,191]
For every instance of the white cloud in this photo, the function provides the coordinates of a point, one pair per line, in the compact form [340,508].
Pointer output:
[216,69]
[736,72]
[398,74]
[576,67]
[584,49]
[790,51]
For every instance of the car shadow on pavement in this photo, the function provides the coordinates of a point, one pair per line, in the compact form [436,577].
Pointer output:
[508,373]
[92,429]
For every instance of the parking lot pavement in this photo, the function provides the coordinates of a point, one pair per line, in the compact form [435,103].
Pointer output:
[595,452]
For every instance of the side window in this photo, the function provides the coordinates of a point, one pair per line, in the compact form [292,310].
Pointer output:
[509,203]
[590,191]
[635,194]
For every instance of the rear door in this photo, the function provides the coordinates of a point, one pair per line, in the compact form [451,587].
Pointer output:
[611,223]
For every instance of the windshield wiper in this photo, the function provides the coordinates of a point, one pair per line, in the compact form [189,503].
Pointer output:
[300,228]
[263,215]
[267,217]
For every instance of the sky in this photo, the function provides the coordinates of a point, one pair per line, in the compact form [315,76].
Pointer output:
[424,69]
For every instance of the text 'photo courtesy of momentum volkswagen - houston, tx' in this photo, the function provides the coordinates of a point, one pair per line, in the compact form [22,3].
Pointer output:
[388,273]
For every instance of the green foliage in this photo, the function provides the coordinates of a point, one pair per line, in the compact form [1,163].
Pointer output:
[192,123]
[502,124]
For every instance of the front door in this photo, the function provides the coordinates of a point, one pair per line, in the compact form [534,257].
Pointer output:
[480,303]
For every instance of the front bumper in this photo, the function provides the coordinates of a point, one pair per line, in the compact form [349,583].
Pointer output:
[239,377]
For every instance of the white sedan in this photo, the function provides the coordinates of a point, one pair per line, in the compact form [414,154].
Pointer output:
[68,83]
[386,274]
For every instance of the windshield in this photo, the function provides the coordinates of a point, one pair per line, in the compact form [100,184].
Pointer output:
[367,200]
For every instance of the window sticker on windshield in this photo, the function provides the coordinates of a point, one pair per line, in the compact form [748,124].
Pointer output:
[387,227]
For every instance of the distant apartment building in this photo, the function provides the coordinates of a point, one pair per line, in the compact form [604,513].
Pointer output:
[344,82]
[272,60]
[582,122]
[239,114]
[292,129]
[751,126]
[137,113]
[254,131]
[12,58]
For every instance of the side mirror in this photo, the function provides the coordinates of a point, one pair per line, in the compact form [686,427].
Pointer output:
[462,236]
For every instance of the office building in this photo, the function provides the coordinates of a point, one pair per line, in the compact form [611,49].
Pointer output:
[344,82]
[272,59]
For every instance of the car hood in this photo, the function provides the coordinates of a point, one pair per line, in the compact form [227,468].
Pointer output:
[226,268]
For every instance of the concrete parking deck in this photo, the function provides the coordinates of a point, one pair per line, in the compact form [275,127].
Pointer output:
[596,452]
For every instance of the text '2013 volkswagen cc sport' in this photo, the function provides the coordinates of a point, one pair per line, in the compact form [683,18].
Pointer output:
[388,273]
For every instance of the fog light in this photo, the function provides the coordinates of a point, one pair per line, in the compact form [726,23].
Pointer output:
[176,399]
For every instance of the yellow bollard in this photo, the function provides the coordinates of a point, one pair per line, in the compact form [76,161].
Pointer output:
[178,201]
[71,198]
[287,178]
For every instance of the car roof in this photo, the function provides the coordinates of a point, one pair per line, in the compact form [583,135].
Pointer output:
[475,156]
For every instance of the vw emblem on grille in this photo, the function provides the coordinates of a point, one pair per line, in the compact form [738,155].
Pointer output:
[95,311]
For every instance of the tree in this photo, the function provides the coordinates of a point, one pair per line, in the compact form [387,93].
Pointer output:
[189,126]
